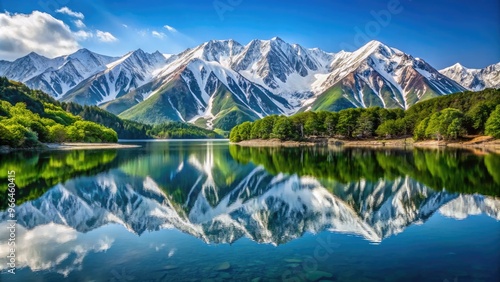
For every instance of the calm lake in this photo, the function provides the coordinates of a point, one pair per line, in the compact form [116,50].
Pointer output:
[210,211]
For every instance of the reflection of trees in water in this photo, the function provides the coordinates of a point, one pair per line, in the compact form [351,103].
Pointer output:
[36,172]
[183,171]
[455,171]
[274,195]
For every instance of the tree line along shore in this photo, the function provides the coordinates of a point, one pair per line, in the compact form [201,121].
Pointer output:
[446,118]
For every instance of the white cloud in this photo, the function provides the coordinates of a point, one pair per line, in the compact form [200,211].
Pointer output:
[125,26]
[52,247]
[105,36]
[79,23]
[157,34]
[69,12]
[38,32]
[83,35]
[170,29]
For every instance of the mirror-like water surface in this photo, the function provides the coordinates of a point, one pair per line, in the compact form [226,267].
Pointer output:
[209,211]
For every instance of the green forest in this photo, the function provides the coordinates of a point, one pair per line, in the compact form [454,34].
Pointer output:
[31,117]
[180,130]
[448,117]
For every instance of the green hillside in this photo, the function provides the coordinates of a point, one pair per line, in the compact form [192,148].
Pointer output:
[159,108]
[30,117]
[169,104]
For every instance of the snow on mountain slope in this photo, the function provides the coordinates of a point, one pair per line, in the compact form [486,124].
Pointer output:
[75,68]
[199,87]
[118,78]
[284,69]
[474,79]
[222,80]
[377,75]
[28,66]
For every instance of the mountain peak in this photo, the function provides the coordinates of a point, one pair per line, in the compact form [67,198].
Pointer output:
[227,43]
[35,58]
[375,43]
[375,46]
[83,51]
[371,46]
[34,55]
[221,41]
[457,66]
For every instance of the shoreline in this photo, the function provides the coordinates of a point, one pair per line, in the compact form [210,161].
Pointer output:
[86,146]
[484,143]
[69,146]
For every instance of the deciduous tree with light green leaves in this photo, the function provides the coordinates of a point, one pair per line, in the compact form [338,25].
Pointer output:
[284,129]
[313,125]
[57,133]
[234,135]
[245,130]
[388,129]
[493,123]
[330,124]
[419,133]
[347,122]
[446,124]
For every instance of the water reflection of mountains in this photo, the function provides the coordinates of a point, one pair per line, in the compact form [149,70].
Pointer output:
[271,195]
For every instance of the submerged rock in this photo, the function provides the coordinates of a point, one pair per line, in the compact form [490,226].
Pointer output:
[317,275]
[293,260]
[223,266]
[225,275]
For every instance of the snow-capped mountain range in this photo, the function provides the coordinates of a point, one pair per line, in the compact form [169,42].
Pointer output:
[474,79]
[222,82]
[55,76]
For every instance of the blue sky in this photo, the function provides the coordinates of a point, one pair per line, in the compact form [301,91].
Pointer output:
[442,32]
